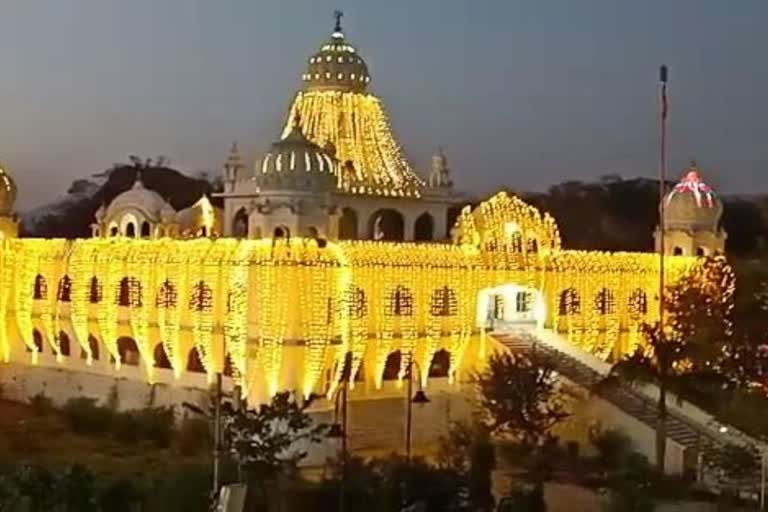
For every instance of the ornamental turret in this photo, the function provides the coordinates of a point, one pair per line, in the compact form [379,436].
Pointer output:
[233,168]
[692,213]
[9,225]
[440,176]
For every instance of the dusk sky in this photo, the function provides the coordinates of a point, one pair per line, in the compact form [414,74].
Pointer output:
[520,93]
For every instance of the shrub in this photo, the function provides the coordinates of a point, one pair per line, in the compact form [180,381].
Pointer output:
[613,447]
[85,417]
[194,436]
[155,424]
[125,427]
[41,404]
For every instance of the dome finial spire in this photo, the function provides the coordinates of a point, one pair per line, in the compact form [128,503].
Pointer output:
[338,15]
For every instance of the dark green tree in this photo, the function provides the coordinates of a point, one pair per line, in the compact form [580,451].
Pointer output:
[519,392]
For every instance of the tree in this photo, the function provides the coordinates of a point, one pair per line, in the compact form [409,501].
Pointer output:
[657,363]
[520,394]
[468,450]
[271,440]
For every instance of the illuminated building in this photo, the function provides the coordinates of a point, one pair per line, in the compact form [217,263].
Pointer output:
[692,218]
[318,267]
[337,172]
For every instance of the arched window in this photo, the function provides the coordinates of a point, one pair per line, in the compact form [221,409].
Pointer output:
[161,358]
[392,366]
[677,251]
[638,302]
[64,293]
[532,246]
[201,298]
[348,224]
[516,242]
[570,302]
[605,303]
[441,364]
[523,302]
[94,295]
[240,224]
[194,363]
[93,345]
[166,295]
[113,231]
[64,345]
[444,302]
[312,232]
[41,288]
[424,228]
[281,232]
[37,341]
[701,251]
[387,224]
[228,370]
[145,230]
[130,230]
[357,304]
[129,294]
[400,302]
[128,350]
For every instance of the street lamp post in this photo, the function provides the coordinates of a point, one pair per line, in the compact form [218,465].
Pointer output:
[418,398]
[338,430]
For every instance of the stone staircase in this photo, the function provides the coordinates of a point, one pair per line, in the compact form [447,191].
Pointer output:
[679,429]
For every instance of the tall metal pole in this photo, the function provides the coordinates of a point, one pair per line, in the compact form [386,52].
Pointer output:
[216,437]
[663,75]
[409,415]
[343,486]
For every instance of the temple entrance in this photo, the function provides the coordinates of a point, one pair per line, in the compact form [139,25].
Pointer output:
[510,305]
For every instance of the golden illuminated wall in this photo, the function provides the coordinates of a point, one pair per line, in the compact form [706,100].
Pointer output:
[284,314]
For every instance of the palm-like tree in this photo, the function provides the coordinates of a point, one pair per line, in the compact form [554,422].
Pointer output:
[658,362]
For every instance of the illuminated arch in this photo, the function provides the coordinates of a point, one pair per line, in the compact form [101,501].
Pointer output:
[570,302]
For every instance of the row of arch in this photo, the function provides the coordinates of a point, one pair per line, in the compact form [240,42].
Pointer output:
[129,293]
[400,302]
[128,350]
[386,224]
[604,302]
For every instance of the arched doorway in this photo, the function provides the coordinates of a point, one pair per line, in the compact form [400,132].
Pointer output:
[281,232]
[161,358]
[128,350]
[146,231]
[194,362]
[240,224]
[392,366]
[348,224]
[440,365]
[388,225]
[424,229]
[451,215]
[130,230]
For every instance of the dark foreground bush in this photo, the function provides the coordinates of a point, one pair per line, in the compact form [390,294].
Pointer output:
[85,417]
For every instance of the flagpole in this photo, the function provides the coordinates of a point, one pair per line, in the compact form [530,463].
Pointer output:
[663,75]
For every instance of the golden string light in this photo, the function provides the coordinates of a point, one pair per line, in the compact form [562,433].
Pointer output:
[267,298]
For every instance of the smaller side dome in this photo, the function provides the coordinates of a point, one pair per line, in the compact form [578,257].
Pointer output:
[692,204]
[138,197]
[7,192]
[296,163]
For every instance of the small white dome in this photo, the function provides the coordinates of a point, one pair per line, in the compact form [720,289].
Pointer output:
[141,198]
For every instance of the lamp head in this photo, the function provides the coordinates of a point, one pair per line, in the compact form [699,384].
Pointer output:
[420,397]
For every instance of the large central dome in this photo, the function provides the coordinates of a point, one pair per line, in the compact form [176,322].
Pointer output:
[338,114]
